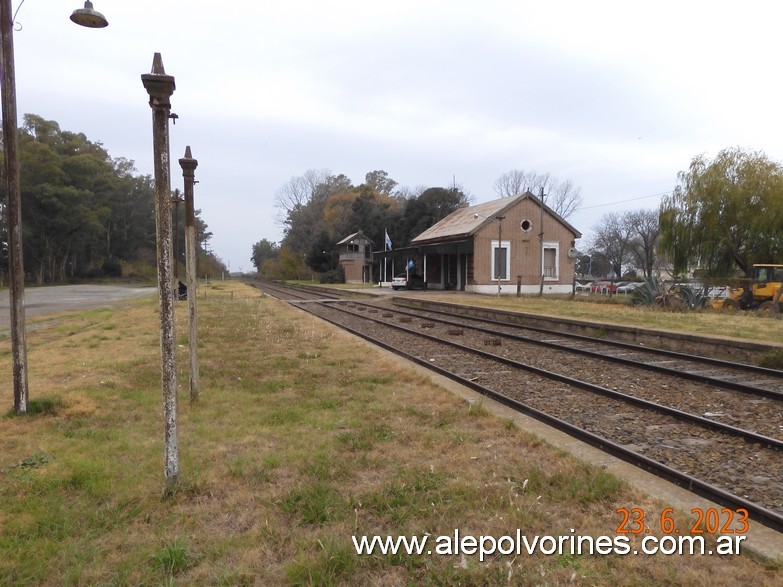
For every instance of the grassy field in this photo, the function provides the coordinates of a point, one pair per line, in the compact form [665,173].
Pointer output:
[303,438]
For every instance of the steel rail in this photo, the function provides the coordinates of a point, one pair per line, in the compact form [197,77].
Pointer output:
[767,441]
[628,346]
[757,512]
[266,287]
[732,385]
[323,291]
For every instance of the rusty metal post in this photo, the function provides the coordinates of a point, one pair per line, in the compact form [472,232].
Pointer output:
[14,210]
[160,87]
[189,164]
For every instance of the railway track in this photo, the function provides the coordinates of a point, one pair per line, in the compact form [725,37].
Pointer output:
[731,375]
[719,433]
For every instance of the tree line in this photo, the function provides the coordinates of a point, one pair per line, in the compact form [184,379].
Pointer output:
[84,213]
[318,209]
[723,216]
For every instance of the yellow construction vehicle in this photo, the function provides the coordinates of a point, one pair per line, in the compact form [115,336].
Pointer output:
[764,294]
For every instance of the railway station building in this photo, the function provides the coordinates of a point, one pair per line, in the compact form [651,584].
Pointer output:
[354,253]
[506,246]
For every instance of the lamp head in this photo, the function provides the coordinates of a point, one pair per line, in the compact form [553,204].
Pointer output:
[188,163]
[89,17]
[158,85]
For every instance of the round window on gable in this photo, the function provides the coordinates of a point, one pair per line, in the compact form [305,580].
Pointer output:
[526,225]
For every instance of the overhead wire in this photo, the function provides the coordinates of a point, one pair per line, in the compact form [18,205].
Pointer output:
[624,201]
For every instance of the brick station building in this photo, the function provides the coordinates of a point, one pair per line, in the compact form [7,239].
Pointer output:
[505,246]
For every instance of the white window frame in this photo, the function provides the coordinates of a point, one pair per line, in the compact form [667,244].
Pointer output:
[551,245]
[503,245]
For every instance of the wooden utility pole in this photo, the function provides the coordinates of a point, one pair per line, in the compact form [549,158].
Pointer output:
[541,242]
[14,211]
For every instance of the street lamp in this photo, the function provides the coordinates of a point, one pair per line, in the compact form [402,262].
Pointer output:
[160,87]
[176,200]
[188,165]
[85,17]
[89,17]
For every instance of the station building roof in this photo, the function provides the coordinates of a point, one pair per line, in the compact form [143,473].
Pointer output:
[465,222]
[353,236]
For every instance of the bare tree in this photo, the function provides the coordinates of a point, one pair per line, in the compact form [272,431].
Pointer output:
[646,228]
[404,192]
[298,191]
[611,239]
[512,183]
[561,196]
[564,198]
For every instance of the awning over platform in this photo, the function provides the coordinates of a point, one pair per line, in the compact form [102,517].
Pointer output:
[443,248]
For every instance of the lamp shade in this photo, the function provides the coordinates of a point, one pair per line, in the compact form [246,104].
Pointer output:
[89,17]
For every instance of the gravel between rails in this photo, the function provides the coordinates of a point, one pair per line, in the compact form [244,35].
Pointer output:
[759,414]
[745,469]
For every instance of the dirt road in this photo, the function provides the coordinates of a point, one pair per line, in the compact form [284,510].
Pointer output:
[40,301]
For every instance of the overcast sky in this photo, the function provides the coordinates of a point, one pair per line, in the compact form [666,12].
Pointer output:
[617,97]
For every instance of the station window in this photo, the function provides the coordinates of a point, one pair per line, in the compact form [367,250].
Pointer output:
[501,259]
[550,261]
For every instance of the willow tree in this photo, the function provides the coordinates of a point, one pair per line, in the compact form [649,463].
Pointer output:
[725,214]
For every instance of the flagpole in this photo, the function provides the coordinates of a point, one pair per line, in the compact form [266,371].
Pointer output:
[387,245]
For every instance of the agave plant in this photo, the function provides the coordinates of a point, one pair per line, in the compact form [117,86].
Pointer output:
[692,299]
[676,297]
[646,293]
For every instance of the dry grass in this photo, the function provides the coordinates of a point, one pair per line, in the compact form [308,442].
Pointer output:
[304,436]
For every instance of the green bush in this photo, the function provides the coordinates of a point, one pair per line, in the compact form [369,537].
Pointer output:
[333,276]
[112,268]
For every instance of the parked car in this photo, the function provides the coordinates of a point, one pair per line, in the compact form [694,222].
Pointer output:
[408,281]
[600,287]
[626,287]
[583,286]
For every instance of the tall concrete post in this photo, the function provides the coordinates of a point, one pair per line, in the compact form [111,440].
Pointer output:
[160,87]
[189,164]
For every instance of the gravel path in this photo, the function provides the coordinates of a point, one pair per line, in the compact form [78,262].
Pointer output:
[41,301]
